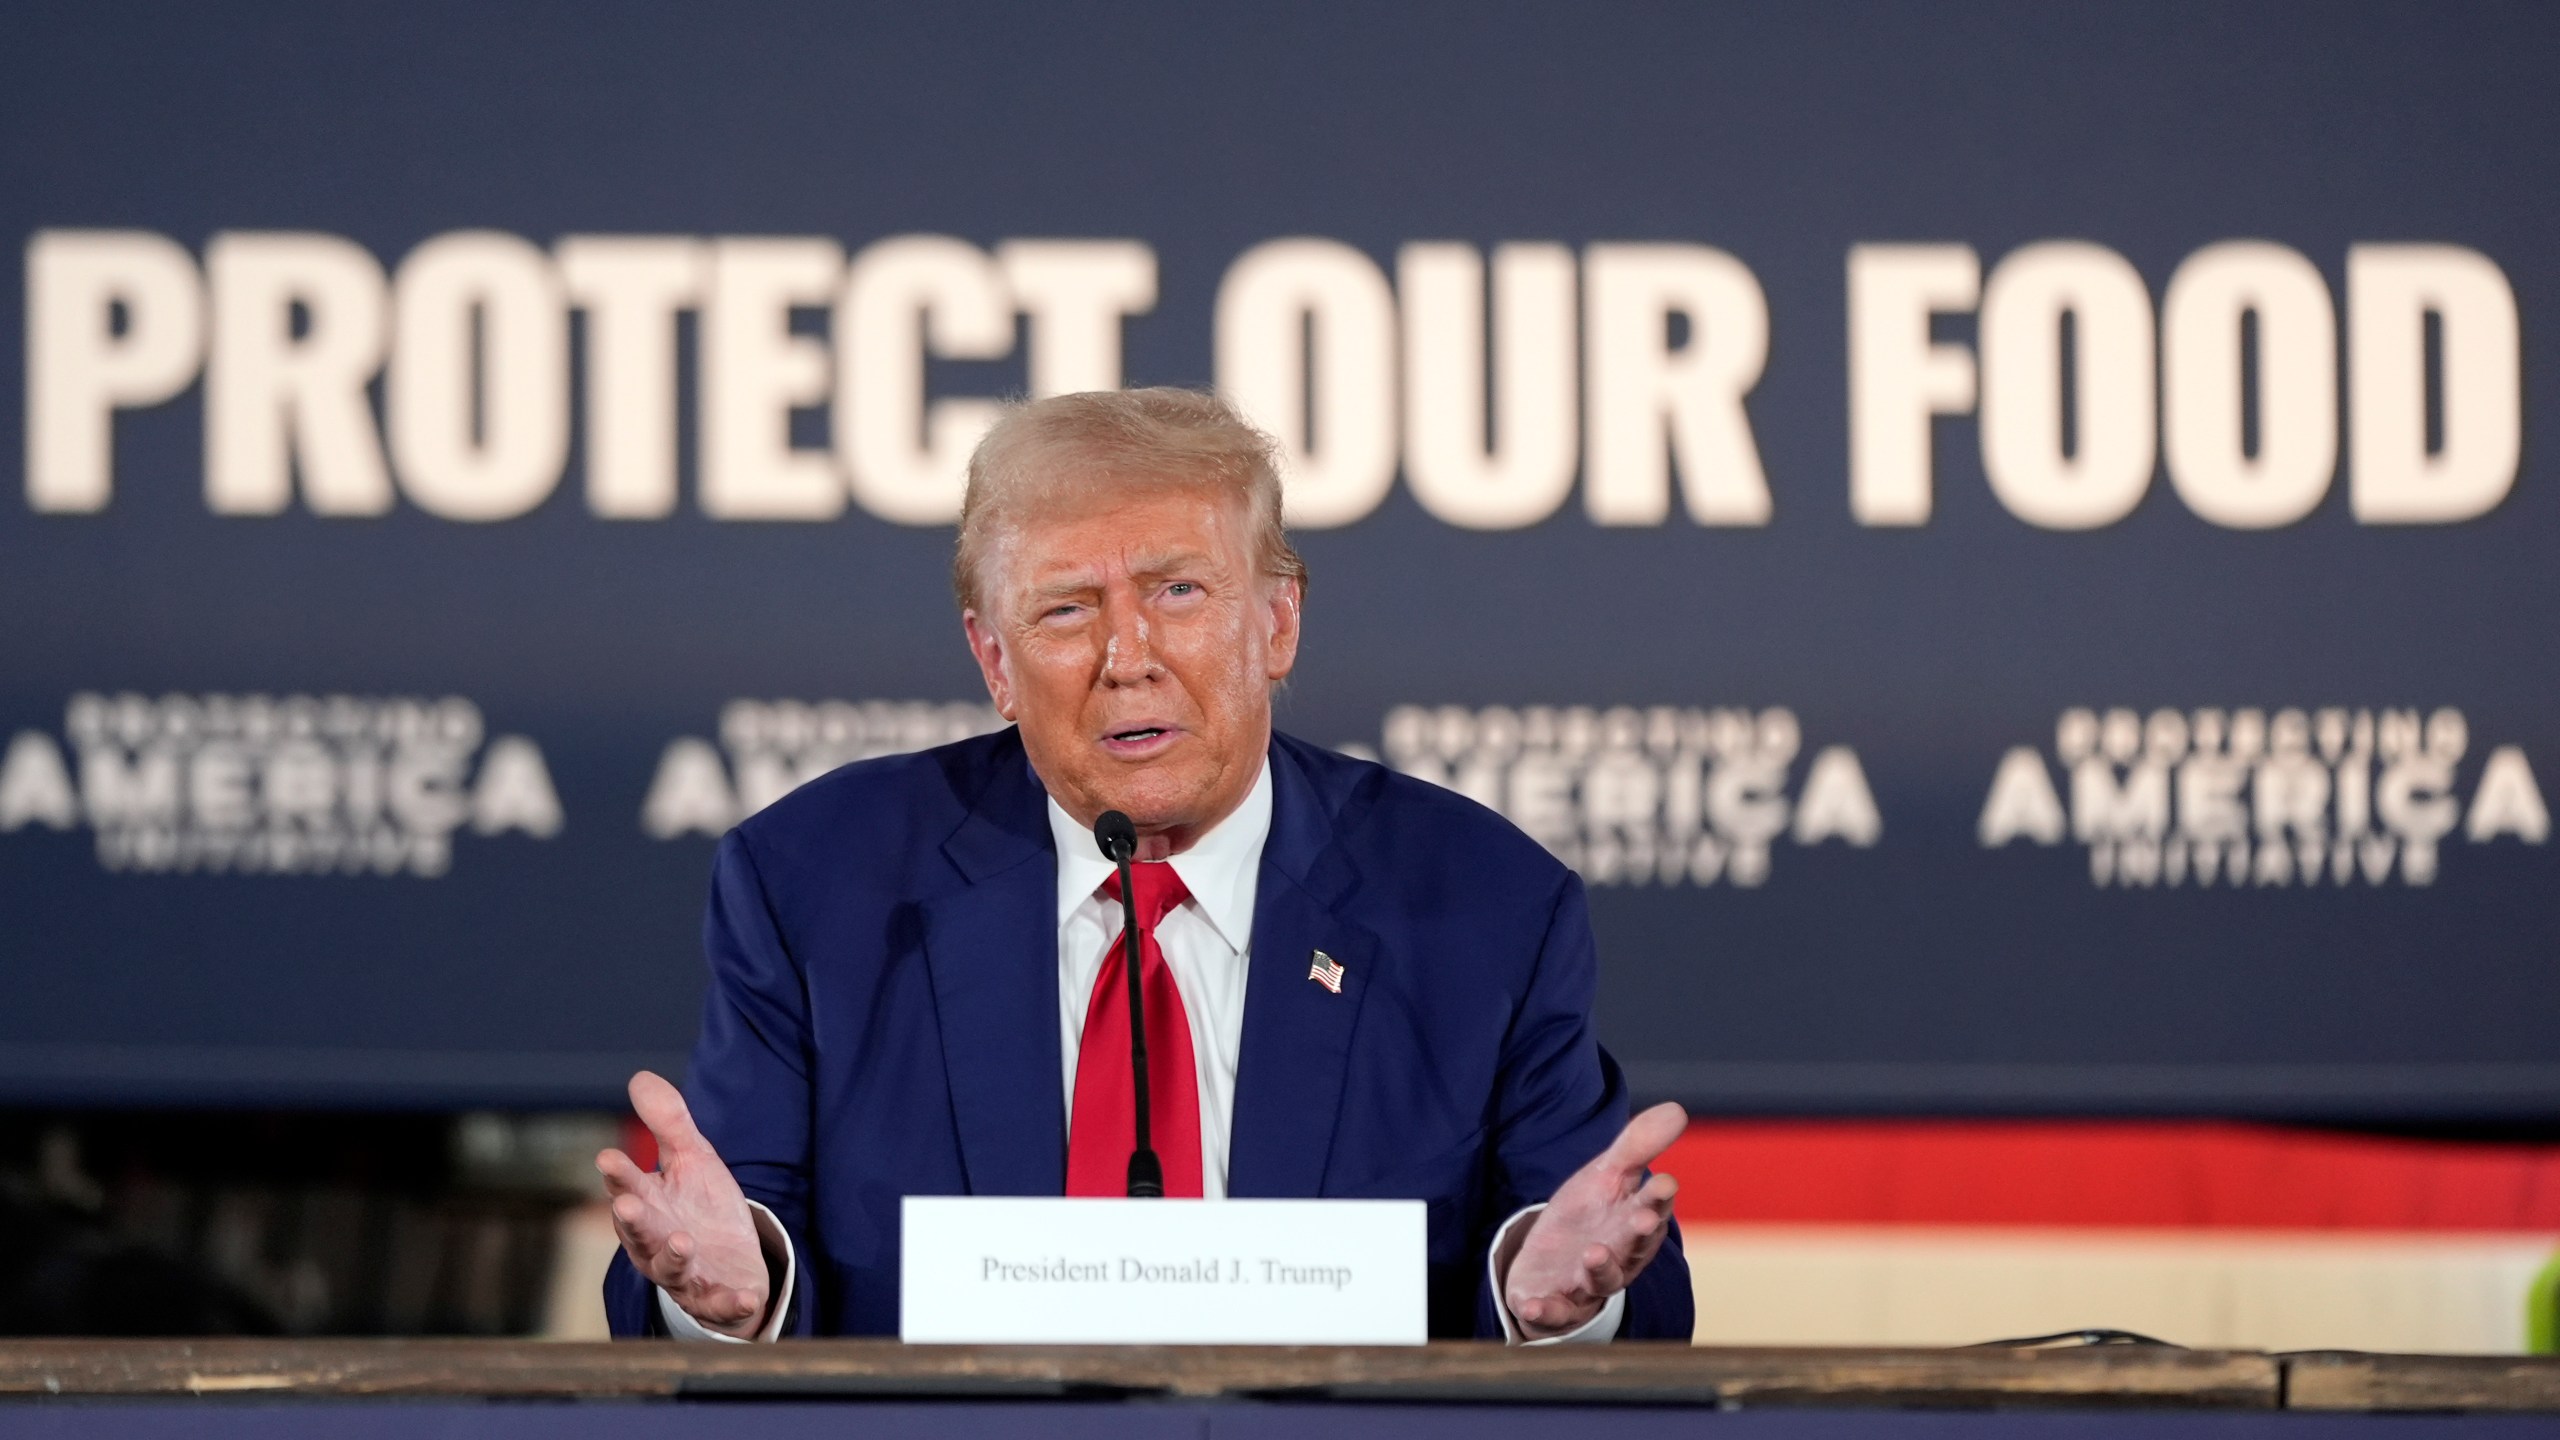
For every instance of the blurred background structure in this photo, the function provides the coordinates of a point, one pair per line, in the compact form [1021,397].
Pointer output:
[2002,540]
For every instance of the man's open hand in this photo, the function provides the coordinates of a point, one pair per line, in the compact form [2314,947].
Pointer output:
[687,1227]
[1598,1233]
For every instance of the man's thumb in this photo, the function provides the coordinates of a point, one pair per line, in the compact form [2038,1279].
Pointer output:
[661,1107]
[1648,1135]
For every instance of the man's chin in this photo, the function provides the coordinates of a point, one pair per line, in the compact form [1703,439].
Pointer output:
[1157,801]
[1154,816]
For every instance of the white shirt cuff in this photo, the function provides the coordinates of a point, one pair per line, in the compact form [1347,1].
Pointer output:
[1599,1329]
[777,1242]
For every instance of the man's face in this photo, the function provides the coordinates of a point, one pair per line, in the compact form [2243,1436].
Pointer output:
[1135,641]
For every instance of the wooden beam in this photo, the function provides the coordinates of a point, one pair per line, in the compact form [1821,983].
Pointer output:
[1598,1375]
[2352,1380]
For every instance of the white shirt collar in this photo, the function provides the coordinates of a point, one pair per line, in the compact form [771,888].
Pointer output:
[1220,869]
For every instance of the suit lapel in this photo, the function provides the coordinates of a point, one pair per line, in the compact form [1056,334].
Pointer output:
[992,948]
[1296,1051]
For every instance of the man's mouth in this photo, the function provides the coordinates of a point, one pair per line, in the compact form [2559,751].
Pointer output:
[1138,740]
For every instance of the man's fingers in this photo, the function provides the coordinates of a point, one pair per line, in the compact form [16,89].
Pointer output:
[1637,1226]
[1599,1280]
[1547,1312]
[1603,1181]
[721,1305]
[739,1306]
[1649,1208]
[1652,1221]
[1620,1228]
[1642,1252]
[1606,1267]
[622,1175]
[661,1107]
[1607,1276]
[648,1250]
[632,1219]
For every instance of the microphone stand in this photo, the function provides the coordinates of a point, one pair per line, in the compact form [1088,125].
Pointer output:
[1119,842]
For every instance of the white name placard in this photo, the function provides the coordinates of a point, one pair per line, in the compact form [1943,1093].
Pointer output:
[1009,1271]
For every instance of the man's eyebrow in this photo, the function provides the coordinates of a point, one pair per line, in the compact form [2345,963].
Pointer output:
[1063,587]
[1068,586]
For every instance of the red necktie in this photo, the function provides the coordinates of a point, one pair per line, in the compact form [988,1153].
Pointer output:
[1104,1128]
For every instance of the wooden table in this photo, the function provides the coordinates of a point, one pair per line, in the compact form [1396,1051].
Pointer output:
[2109,1377]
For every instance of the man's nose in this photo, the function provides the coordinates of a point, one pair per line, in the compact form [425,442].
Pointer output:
[1127,658]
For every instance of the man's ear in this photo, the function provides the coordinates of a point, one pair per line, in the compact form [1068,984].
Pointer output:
[1282,614]
[987,648]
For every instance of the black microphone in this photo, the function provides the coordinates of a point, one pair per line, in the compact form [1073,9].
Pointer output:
[1118,837]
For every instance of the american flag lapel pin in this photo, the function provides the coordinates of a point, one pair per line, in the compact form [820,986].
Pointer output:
[1327,972]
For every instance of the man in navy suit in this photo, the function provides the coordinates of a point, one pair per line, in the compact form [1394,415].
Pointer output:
[1357,984]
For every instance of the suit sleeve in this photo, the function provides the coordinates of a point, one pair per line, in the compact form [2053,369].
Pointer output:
[1559,1100]
[748,1085]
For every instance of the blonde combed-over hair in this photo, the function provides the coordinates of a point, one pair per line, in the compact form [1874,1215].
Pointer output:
[1040,452]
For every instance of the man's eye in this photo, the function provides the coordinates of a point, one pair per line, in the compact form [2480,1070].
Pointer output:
[1181,587]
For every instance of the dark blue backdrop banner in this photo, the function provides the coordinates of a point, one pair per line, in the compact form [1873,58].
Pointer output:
[2000,540]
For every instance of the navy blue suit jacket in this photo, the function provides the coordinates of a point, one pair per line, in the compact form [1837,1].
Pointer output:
[882,1020]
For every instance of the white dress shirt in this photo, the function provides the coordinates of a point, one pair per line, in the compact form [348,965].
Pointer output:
[1206,941]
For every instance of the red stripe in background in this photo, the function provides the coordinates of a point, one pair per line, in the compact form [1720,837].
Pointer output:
[2109,1174]
[638,1143]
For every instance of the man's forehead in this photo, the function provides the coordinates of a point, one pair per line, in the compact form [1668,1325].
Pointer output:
[1077,497]
[1136,534]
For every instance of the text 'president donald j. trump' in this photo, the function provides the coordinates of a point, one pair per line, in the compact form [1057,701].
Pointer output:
[916,982]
